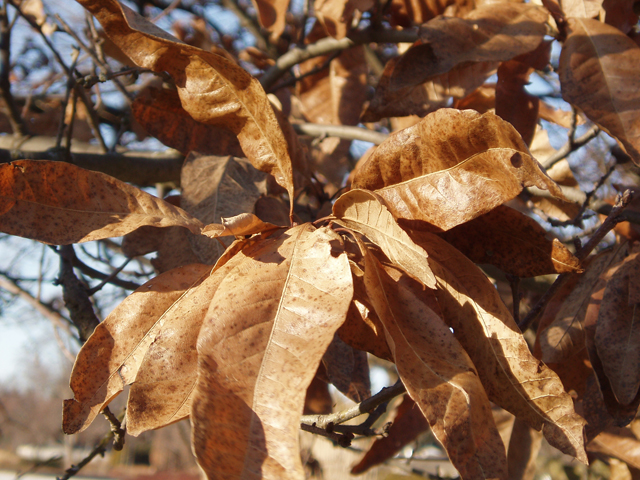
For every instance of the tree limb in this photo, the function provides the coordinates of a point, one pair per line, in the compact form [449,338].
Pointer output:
[340,131]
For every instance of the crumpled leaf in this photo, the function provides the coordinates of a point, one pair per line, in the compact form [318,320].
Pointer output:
[111,357]
[408,423]
[268,326]
[59,203]
[489,33]
[437,373]
[240,225]
[617,336]
[513,242]
[216,187]
[512,377]
[162,115]
[364,212]
[212,89]
[451,167]
[600,74]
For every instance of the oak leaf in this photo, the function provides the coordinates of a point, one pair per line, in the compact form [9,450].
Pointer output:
[512,377]
[451,167]
[266,331]
[59,203]
[600,74]
[212,89]
[437,372]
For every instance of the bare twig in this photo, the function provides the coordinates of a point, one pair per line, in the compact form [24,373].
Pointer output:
[330,45]
[340,131]
[615,217]
[342,439]
[366,406]
[571,146]
[514,282]
[117,429]
[99,449]
[112,276]
[17,124]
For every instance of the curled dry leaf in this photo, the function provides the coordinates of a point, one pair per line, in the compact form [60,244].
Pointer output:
[512,377]
[451,167]
[240,225]
[366,213]
[268,326]
[161,114]
[59,203]
[212,89]
[437,372]
[408,423]
[214,187]
[600,74]
[111,357]
[490,33]
[513,242]
[617,336]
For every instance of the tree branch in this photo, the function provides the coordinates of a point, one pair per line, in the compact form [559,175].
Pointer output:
[340,131]
[329,45]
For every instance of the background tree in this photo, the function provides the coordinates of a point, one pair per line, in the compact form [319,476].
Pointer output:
[274,279]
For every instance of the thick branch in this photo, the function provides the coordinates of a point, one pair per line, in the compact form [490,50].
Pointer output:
[329,45]
[140,168]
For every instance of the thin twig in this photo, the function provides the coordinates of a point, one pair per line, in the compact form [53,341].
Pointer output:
[112,276]
[117,429]
[340,131]
[514,282]
[615,217]
[366,406]
[571,146]
[295,79]
[342,439]
[18,125]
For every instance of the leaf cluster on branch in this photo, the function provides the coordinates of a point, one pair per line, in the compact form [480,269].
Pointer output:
[273,276]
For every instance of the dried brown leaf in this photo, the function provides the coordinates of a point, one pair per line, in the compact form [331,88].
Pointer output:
[216,187]
[437,373]
[111,357]
[490,33]
[161,114]
[268,326]
[240,225]
[212,89]
[581,8]
[617,336]
[619,443]
[364,212]
[513,242]
[337,15]
[408,423]
[600,74]
[512,377]
[451,167]
[59,203]
[524,447]
[347,369]
[272,15]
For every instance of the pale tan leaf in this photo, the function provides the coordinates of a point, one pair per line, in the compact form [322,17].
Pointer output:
[512,377]
[336,15]
[451,167]
[491,33]
[240,225]
[581,8]
[364,212]
[212,89]
[437,373]
[617,336]
[111,357]
[600,74]
[268,326]
[619,443]
[272,15]
[163,388]
[215,187]
[59,203]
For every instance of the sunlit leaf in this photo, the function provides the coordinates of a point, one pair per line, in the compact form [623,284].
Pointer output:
[512,377]
[437,373]
[212,89]
[268,326]
[364,212]
[59,203]
[600,74]
[581,8]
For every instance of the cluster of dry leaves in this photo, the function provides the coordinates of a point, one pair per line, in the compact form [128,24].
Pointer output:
[248,313]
